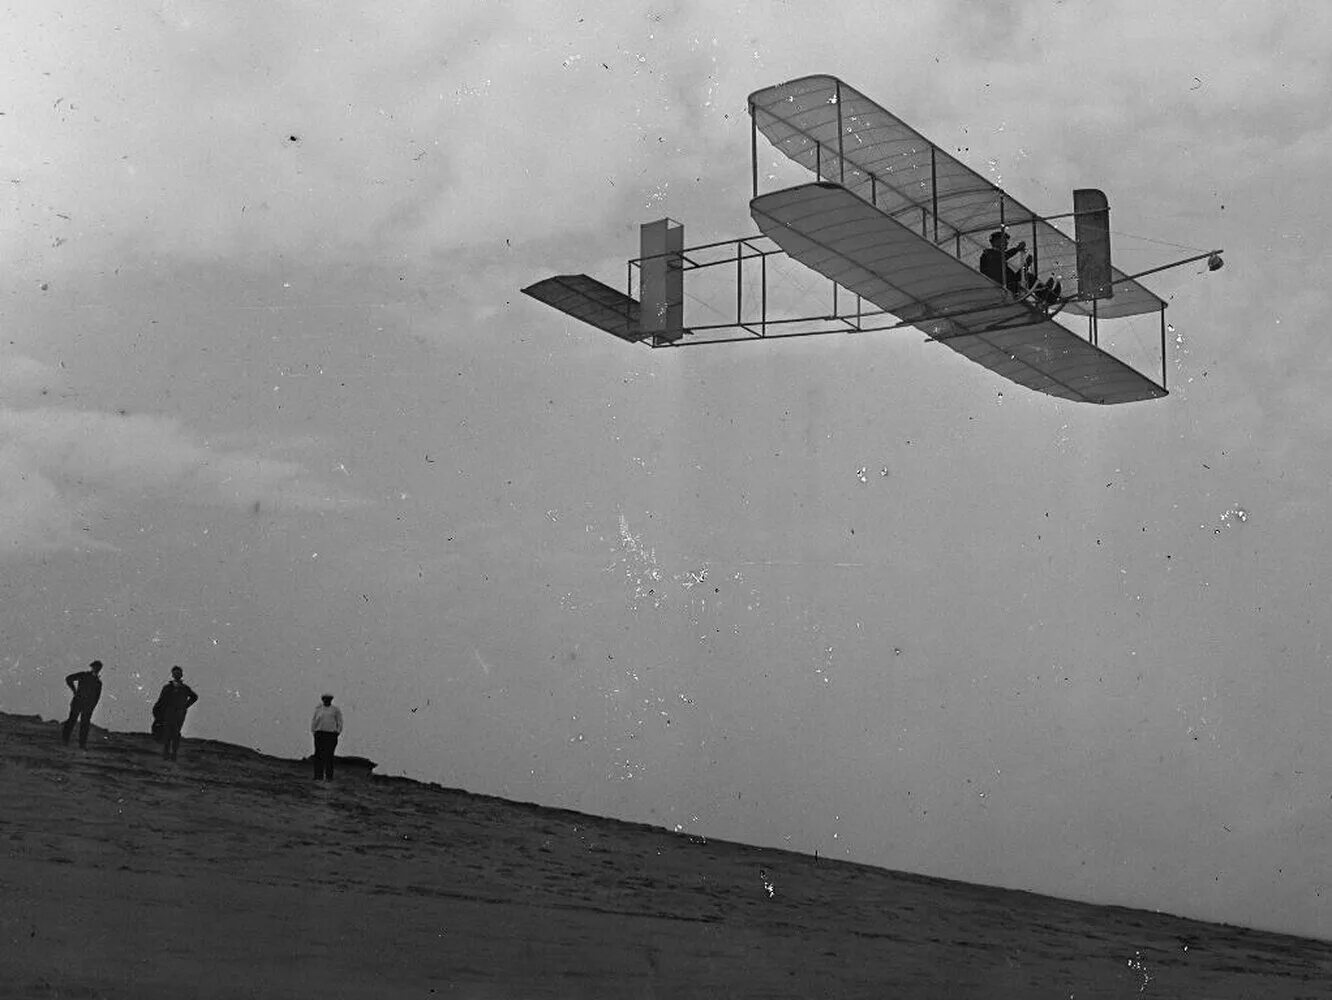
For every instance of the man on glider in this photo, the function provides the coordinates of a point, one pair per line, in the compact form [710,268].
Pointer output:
[994,265]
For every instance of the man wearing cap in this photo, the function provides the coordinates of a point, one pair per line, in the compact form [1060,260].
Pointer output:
[994,265]
[172,704]
[87,688]
[326,726]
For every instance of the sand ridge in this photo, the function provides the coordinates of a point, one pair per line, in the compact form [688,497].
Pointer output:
[230,873]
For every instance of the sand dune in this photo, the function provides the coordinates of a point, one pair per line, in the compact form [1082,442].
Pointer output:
[233,874]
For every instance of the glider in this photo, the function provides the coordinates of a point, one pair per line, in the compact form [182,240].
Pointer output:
[898,226]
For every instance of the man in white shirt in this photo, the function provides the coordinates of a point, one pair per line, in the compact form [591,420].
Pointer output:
[326,727]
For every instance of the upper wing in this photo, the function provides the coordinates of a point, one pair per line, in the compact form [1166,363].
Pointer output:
[838,132]
[862,248]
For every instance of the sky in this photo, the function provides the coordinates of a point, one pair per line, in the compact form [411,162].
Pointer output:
[273,408]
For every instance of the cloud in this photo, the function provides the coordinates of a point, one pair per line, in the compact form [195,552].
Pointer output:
[258,127]
[34,515]
[276,128]
[351,132]
[25,380]
[61,471]
[20,374]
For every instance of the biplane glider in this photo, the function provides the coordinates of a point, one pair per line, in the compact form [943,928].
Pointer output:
[901,226]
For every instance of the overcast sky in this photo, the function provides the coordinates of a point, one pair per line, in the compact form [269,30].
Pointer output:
[275,410]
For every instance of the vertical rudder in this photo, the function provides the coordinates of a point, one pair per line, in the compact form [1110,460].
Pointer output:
[1091,231]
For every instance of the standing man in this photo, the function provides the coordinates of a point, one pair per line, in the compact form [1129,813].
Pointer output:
[87,688]
[172,704]
[326,726]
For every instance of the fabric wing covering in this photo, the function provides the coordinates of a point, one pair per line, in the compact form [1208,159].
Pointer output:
[591,301]
[862,248]
[843,136]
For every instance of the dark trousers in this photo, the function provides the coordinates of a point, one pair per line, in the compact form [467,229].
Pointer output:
[325,744]
[81,713]
[171,736]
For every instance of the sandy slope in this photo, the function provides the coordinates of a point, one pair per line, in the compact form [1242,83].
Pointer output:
[232,874]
